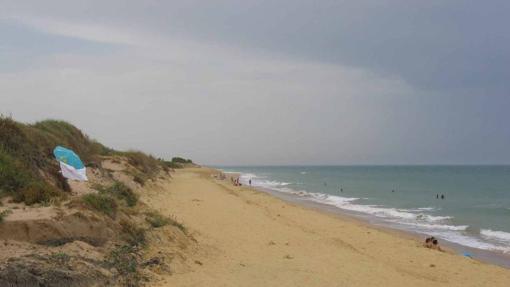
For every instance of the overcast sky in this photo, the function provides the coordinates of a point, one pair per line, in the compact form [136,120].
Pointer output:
[267,82]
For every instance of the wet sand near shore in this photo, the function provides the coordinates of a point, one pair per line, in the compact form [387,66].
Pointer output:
[250,238]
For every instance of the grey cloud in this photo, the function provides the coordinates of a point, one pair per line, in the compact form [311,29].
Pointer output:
[272,82]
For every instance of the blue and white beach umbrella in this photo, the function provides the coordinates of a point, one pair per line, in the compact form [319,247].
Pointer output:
[70,164]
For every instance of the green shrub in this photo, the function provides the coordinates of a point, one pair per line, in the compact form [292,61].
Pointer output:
[13,176]
[120,191]
[181,160]
[176,223]
[171,164]
[4,214]
[144,163]
[125,260]
[30,173]
[155,219]
[35,192]
[124,192]
[28,170]
[140,178]
[133,235]
[101,202]
[60,257]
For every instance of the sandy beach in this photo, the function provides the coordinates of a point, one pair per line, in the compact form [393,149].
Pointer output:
[249,238]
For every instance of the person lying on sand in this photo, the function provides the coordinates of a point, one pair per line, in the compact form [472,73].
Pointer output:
[432,243]
[435,245]
[428,242]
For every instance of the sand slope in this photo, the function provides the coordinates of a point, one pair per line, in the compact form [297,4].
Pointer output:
[249,238]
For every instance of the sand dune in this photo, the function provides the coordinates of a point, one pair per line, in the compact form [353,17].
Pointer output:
[249,238]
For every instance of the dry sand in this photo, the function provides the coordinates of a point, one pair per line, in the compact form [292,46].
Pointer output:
[249,238]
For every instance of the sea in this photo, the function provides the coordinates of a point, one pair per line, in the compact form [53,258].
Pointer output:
[468,206]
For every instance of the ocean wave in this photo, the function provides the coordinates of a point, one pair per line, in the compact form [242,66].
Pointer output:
[420,209]
[417,226]
[496,235]
[261,181]
[470,241]
[250,176]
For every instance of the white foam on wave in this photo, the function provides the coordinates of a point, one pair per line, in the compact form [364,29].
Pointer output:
[375,210]
[248,176]
[470,241]
[500,236]
[420,226]
[261,181]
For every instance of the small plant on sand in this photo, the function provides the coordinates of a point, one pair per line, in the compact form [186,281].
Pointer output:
[122,191]
[155,219]
[60,257]
[146,164]
[132,234]
[176,223]
[140,178]
[124,260]
[4,214]
[181,160]
[101,202]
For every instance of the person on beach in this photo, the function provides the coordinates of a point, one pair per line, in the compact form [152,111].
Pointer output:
[250,181]
[428,242]
[442,196]
[432,243]
[435,245]
[437,196]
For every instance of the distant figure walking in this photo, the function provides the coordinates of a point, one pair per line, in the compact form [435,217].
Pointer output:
[437,196]
[442,196]
[249,181]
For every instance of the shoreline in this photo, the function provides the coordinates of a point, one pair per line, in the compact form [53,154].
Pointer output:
[248,237]
[485,256]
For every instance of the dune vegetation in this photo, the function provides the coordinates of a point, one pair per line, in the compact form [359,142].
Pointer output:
[29,172]
[44,213]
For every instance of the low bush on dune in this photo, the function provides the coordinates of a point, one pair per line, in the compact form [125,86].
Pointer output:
[4,214]
[171,164]
[101,202]
[21,183]
[147,164]
[133,234]
[181,160]
[28,170]
[156,220]
[36,192]
[29,173]
[123,192]
[125,260]
[120,191]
